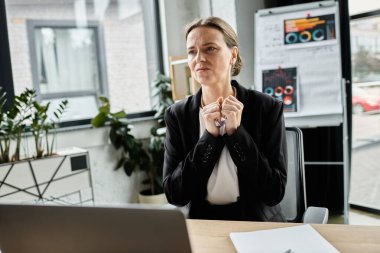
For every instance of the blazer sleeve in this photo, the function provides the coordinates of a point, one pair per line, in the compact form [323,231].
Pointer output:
[186,171]
[262,171]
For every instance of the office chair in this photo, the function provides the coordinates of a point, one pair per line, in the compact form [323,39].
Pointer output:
[293,204]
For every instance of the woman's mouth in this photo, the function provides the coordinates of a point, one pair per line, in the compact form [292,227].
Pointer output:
[201,69]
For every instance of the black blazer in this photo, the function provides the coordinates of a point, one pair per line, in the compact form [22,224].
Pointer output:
[258,149]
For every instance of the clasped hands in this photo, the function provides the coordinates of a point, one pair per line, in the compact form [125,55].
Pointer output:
[222,116]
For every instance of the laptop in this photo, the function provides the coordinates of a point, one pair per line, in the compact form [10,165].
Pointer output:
[79,229]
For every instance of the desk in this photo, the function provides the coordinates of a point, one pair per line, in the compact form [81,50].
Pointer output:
[208,236]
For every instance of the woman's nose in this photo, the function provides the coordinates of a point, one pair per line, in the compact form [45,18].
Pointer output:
[200,57]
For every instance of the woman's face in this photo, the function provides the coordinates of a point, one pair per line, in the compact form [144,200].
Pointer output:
[209,57]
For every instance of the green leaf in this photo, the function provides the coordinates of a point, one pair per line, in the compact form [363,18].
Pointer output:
[104,100]
[128,168]
[105,109]
[120,163]
[116,139]
[99,120]
[119,115]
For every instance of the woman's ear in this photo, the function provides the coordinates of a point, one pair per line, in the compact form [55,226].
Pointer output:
[235,52]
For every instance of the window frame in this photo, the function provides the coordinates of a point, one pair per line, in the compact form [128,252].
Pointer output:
[368,14]
[355,17]
[6,77]
[67,24]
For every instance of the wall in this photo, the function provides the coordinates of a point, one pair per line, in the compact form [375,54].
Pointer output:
[245,23]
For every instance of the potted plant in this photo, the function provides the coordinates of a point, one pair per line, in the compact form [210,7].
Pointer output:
[45,175]
[27,114]
[162,94]
[132,154]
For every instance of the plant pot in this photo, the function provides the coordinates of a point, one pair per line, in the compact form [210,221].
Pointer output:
[146,198]
[62,179]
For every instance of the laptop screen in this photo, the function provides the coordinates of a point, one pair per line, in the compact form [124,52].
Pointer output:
[34,228]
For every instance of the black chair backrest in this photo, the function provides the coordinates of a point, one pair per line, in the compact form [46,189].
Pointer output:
[293,204]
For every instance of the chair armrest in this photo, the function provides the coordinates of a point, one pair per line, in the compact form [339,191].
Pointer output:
[183,209]
[319,215]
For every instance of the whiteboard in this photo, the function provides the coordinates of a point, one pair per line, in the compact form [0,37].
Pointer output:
[298,61]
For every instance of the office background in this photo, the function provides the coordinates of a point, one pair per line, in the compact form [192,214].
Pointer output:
[122,45]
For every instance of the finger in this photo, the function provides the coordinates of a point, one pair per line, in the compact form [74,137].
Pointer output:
[212,116]
[231,99]
[220,101]
[214,107]
[230,115]
[232,106]
[211,105]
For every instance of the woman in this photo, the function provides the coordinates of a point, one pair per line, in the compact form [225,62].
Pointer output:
[225,148]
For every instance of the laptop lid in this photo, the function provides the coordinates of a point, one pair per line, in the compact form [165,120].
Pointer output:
[79,229]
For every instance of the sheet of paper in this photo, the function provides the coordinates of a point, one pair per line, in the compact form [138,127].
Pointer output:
[300,239]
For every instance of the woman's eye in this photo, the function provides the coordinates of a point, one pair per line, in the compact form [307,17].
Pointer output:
[191,52]
[211,49]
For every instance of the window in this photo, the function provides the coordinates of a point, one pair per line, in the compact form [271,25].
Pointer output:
[81,49]
[65,64]
[365,56]
[362,6]
[365,53]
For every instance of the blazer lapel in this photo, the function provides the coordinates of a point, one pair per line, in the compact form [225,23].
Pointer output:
[194,116]
[242,96]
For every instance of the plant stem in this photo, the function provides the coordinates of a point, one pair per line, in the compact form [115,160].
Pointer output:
[47,143]
[6,150]
[17,151]
[52,143]
[2,150]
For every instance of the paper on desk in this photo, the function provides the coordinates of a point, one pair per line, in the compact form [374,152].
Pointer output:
[300,239]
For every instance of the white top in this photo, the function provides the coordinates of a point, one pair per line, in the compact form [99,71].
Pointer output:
[222,186]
